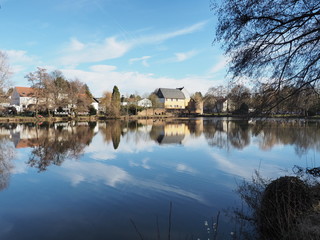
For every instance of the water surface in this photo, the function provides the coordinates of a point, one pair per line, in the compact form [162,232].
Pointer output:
[111,180]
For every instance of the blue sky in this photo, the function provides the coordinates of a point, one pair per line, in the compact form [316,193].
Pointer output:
[138,45]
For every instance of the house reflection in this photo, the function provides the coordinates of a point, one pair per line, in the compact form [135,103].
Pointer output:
[55,142]
[173,132]
[51,143]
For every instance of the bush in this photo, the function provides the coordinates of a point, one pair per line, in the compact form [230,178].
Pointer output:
[283,202]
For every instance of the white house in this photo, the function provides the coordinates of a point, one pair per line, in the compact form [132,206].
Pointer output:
[22,97]
[145,103]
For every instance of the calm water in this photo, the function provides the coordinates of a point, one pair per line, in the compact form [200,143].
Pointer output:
[98,180]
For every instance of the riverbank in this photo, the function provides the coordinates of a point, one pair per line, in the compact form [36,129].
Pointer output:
[25,119]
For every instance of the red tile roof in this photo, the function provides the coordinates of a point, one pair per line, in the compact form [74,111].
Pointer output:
[25,91]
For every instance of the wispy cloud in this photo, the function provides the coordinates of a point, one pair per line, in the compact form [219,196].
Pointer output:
[77,52]
[183,56]
[158,38]
[143,60]
[19,60]
[220,65]
[18,56]
[126,81]
[103,68]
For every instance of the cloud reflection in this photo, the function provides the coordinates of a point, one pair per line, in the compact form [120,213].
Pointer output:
[79,172]
[93,172]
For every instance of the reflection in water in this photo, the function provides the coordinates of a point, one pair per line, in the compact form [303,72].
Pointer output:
[302,134]
[54,146]
[169,133]
[50,143]
[53,143]
[123,167]
[6,156]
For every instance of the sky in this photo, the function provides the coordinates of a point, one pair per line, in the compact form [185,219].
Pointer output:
[137,45]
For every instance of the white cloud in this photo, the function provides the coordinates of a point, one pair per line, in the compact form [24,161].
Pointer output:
[143,60]
[76,45]
[142,83]
[158,38]
[180,57]
[77,52]
[19,60]
[103,68]
[18,56]
[220,65]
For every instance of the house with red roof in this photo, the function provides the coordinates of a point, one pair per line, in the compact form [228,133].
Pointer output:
[23,97]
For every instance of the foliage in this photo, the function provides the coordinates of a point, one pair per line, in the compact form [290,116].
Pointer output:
[272,42]
[279,209]
[155,100]
[92,110]
[115,102]
[40,82]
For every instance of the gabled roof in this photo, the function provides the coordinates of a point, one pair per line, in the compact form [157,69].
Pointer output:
[25,91]
[170,93]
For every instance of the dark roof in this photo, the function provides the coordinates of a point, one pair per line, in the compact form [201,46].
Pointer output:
[175,139]
[170,93]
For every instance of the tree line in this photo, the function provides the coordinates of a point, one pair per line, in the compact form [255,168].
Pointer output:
[243,99]
[52,91]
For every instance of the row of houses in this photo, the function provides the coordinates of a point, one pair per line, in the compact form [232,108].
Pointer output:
[168,98]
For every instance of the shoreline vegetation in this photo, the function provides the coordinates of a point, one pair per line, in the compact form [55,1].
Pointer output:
[24,119]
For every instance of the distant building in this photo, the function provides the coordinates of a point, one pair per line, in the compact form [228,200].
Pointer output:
[173,98]
[23,97]
[145,103]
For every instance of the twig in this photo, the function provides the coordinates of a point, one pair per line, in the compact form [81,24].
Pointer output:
[158,229]
[137,230]
[216,227]
[170,213]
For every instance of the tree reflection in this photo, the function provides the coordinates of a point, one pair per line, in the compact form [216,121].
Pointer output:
[54,146]
[239,134]
[223,133]
[111,132]
[6,155]
[53,143]
[303,135]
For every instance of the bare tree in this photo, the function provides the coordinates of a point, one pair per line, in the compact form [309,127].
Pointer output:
[59,89]
[106,102]
[272,42]
[40,81]
[5,72]
[77,96]
[239,94]
[213,96]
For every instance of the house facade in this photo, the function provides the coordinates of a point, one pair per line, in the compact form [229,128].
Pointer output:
[22,97]
[146,103]
[173,98]
[224,105]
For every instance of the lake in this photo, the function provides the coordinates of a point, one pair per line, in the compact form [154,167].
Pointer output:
[140,179]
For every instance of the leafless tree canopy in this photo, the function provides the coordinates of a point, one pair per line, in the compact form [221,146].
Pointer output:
[275,42]
[4,70]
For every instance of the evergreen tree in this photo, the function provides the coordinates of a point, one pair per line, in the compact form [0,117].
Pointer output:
[115,100]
